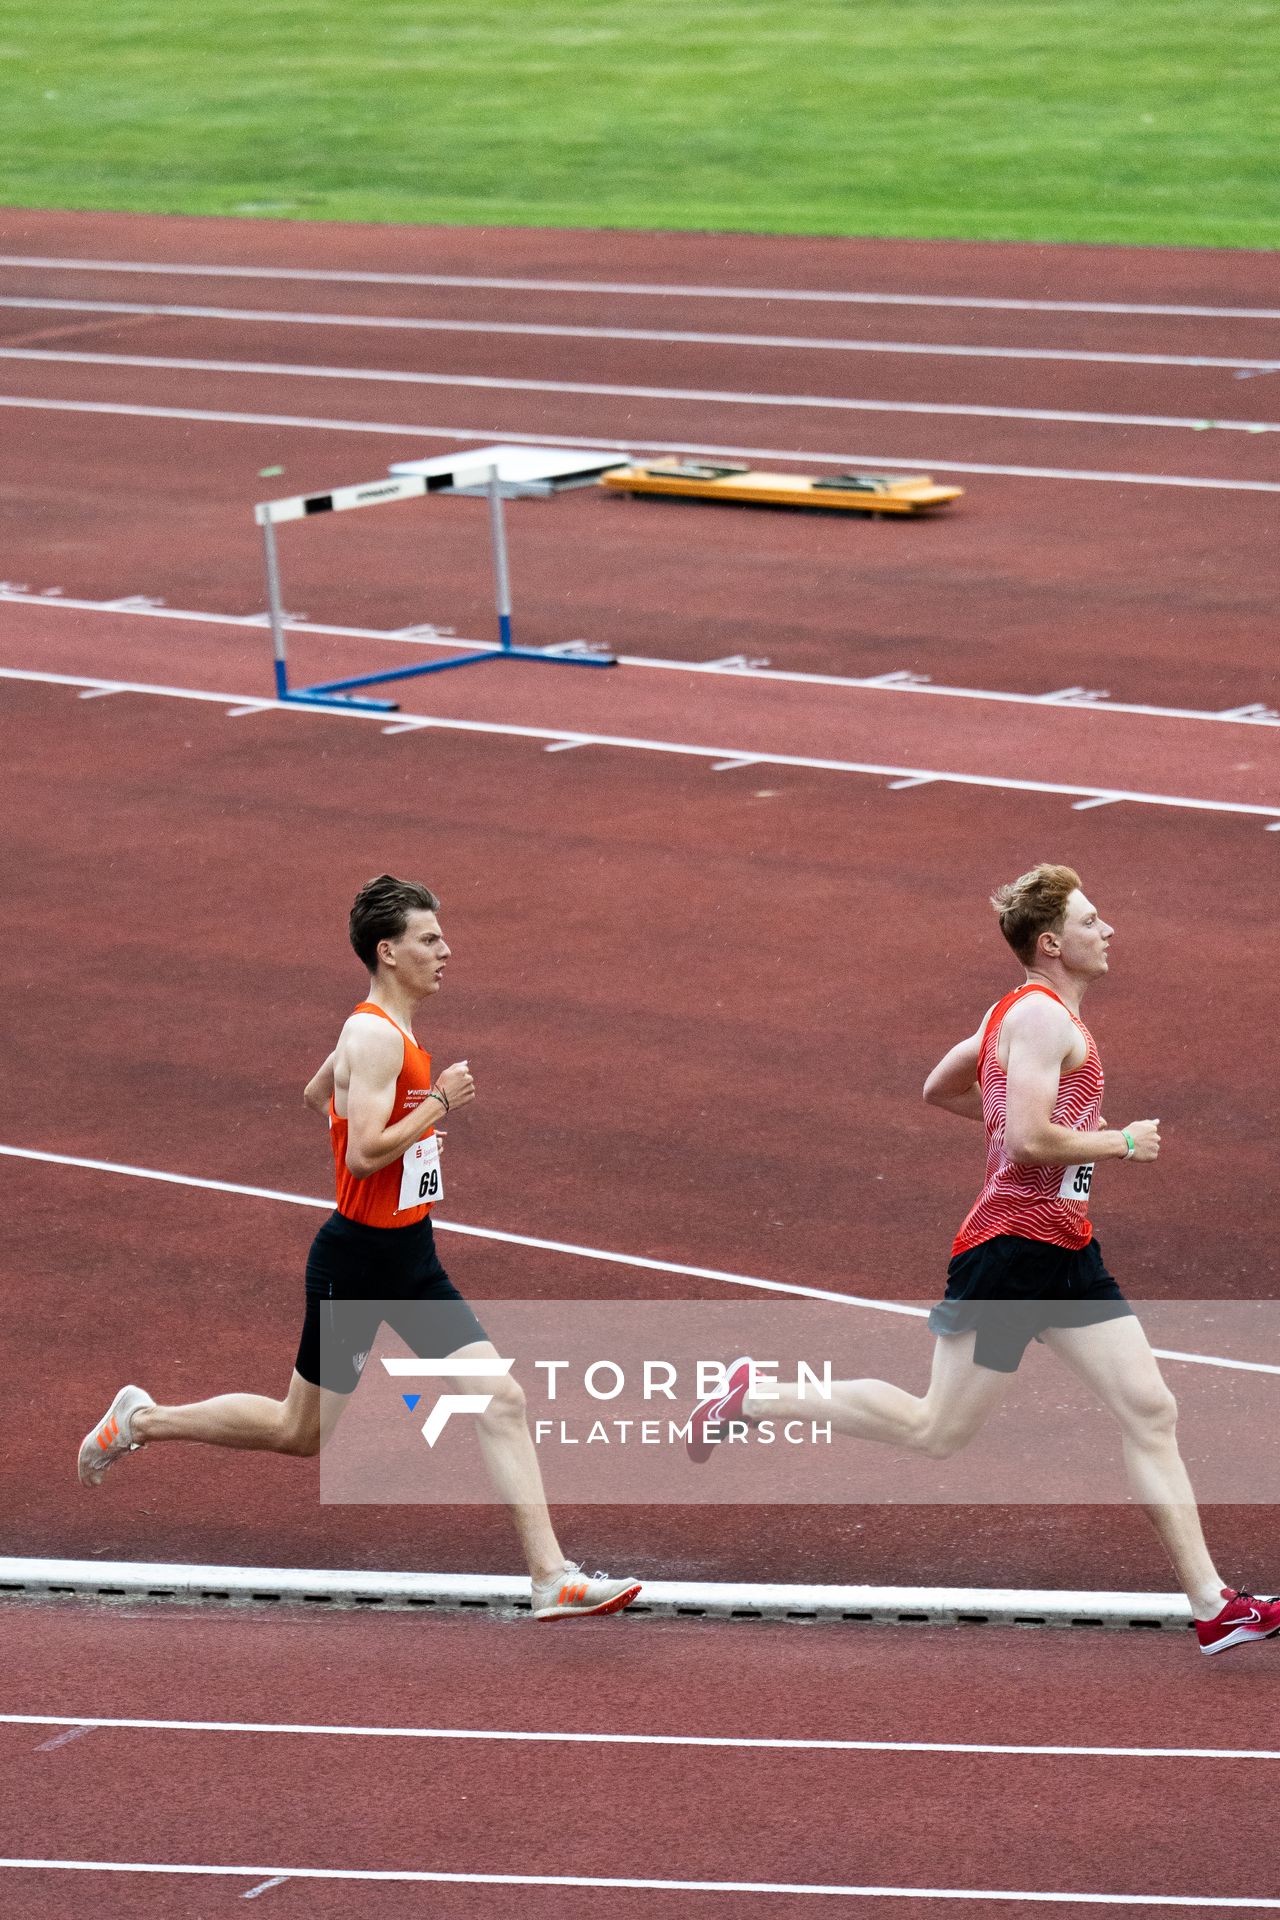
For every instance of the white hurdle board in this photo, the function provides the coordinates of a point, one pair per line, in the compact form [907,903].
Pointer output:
[456,474]
[524,473]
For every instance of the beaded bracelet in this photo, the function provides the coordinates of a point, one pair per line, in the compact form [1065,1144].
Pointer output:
[443,1098]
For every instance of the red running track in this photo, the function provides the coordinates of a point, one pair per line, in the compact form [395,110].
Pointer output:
[1138,587]
[1131,1822]
[703,934]
[1078,748]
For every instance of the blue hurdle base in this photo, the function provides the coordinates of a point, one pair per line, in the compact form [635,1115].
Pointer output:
[337,693]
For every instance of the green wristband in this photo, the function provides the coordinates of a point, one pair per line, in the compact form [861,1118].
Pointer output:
[1129,1142]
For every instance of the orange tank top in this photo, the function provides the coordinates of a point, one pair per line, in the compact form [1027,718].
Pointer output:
[1034,1202]
[375,1201]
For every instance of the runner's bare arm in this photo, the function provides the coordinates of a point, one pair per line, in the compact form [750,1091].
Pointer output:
[319,1089]
[1041,1038]
[953,1084]
[372,1055]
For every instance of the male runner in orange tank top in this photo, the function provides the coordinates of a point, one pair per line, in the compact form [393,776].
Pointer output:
[374,1259]
[1025,1264]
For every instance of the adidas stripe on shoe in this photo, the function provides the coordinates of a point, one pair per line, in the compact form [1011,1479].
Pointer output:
[112,1436]
[570,1595]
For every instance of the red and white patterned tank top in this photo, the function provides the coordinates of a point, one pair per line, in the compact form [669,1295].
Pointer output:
[1039,1203]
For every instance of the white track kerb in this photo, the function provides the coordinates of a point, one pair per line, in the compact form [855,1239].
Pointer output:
[725,1600]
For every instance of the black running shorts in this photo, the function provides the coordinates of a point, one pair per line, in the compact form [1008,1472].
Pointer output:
[359,1276]
[1011,1289]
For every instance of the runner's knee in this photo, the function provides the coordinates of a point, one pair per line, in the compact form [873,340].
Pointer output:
[506,1404]
[941,1443]
[1151,1412]
[299,1437]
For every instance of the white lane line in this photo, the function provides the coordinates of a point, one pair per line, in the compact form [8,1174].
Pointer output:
[884,461]
[581,1253]
[640,288]
[482,1233]
[797,342]
[1160,1902]
[714,396]
[923,776]
[544,1737]
[1255,714]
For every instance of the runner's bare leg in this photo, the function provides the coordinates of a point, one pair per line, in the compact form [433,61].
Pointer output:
[961,1397]
[303,1421]
[1115,1359]
[512,1461]
[300,1423]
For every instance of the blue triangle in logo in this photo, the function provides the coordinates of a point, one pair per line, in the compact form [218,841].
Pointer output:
[411,1400]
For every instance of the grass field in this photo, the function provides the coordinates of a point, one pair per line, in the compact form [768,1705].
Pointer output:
[1147,121]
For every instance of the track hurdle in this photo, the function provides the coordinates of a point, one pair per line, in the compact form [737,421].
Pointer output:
[463,473]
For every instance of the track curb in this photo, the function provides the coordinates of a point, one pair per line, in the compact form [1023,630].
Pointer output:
[500,1594]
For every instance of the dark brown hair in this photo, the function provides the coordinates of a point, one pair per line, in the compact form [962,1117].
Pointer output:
[381,912]
[1034,903]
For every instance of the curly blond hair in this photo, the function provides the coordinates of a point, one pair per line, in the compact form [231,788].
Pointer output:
[1034,903]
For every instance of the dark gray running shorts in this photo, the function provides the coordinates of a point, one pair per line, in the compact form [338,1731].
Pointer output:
[1011,1289]
[358,1277]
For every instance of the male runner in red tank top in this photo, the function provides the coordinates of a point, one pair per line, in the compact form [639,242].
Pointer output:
[1025,1264]
[374,1258]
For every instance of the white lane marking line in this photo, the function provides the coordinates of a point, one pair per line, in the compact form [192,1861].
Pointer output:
[1098,800]
[544,1737]
[1000,783]
[277,1880]
[774,342]
[480,1233]
[888,461]
[644,288]
[912,780]
[711,396]
[1252,714]
[420,1876]
[565,1246]
[75,1730]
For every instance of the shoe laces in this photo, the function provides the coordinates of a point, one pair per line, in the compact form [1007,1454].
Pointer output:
[572,1566]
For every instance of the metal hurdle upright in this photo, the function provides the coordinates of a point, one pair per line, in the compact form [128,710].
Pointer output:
[464,473]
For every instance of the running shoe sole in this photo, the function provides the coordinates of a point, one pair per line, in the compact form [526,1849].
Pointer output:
[1238,1638]
[708,1413]
[618,1602]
